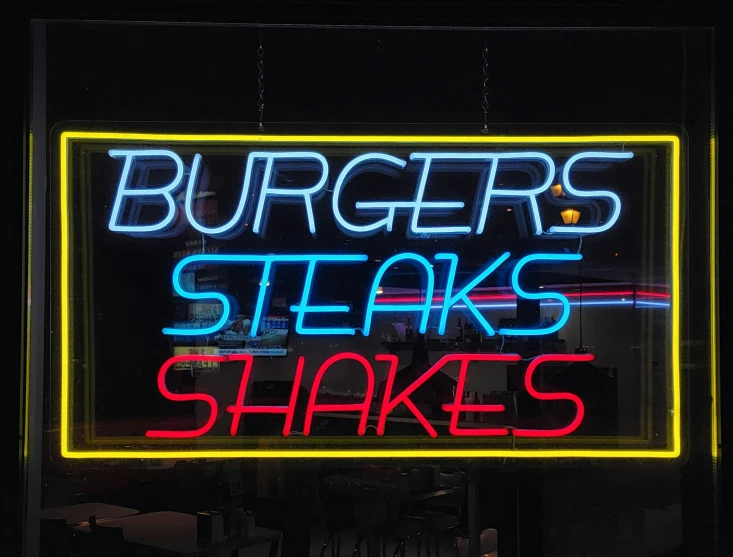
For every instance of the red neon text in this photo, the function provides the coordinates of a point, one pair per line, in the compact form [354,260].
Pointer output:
[362,407]
[458,406]
[239,408]
[580,408]
[390,400]
[210,400]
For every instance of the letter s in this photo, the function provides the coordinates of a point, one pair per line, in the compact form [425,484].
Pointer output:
[544,295]
[190,397]
[226,305]
[611,197]
[573,425]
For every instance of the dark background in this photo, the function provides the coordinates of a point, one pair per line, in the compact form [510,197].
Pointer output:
[638,13]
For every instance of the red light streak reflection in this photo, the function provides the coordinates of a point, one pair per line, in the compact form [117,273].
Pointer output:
[393,299]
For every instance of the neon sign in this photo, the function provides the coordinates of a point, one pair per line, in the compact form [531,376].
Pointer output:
[159,178]
[389,403]
[423,308]
[269,193]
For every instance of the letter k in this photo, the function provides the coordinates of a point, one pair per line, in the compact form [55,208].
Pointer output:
[450,299]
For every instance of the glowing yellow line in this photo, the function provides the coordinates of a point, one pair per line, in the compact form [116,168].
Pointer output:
[713,299]
[676,276]
[64,186]
[229,138]
[432,453]
[376,453]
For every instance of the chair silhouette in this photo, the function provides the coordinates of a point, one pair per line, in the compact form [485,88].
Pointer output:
[488,544]
[337,510]
[55,539]
[105,540]
[379,518]
[443,514]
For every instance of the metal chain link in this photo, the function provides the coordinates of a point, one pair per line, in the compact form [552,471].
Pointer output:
[261,83]
[485,89]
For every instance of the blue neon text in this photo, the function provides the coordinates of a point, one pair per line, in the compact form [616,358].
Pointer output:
[171,183]
[261,188]
[421,308]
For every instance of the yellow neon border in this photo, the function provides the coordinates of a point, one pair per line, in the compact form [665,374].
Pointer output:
[66,451]
[713,300]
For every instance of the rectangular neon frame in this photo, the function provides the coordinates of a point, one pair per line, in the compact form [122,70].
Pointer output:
[674,452]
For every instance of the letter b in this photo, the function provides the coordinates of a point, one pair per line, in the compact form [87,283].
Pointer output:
[124,190]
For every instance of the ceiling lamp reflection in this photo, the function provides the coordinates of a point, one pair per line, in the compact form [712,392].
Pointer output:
[570,216]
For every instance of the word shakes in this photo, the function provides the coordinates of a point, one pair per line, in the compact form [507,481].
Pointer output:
[390,401]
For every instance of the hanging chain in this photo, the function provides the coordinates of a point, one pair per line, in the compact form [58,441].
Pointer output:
[485,90]
[261,83]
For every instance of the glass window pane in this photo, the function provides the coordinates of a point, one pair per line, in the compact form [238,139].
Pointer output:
[483,256]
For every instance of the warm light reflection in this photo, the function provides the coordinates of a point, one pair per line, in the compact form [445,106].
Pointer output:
[557,190]
[570,216]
